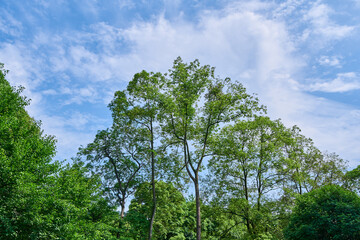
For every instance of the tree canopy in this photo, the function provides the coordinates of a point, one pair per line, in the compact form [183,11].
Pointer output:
[252,177]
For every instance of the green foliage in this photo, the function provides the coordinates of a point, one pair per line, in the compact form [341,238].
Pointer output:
[25,156]
[78,207]
[352,180]
[119,153]
[329,212]
[168,128]
[115,156]
[243,172]
[252,160]
[169,214]
[197,104]
[144,91]
[219,224]
[39,199]
[304,167]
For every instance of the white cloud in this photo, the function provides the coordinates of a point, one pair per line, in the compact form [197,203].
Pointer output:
[171,6]
[258,51]
[343,83]
[332,61]
[15,58]
[49,92]
[240,41]
[71,130]
[357,3]
[126,4]
[68,139]
[23,71]
[288,7]
[79,95]
[9,24]
[322,25]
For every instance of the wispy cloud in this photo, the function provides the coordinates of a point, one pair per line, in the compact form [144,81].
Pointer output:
[343,83]
[322,25]
[80,95]
[357,3]
[24,68]
[331,61]
[288,7]
[9,24]
[249,41]
[71,131]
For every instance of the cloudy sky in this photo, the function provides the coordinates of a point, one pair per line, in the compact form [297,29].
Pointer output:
[301,57]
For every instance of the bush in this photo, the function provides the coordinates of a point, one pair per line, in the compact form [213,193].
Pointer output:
[329,212]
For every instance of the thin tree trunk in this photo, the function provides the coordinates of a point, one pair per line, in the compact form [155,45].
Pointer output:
[152,182]
[198,213]
[122,210]
[154,206]
[247,215]
[122,205]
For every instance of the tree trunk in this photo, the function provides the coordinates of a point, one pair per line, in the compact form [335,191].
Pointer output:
[122,210]
[122,205]
[152,181]
[154,210]
[198,213]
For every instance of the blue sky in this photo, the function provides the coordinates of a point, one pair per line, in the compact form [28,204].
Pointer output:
[301,57]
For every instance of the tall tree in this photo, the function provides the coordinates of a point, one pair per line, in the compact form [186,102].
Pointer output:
[117,154]
[304,167]
[144,98]
[198,104]
[134,140]
[243,169]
